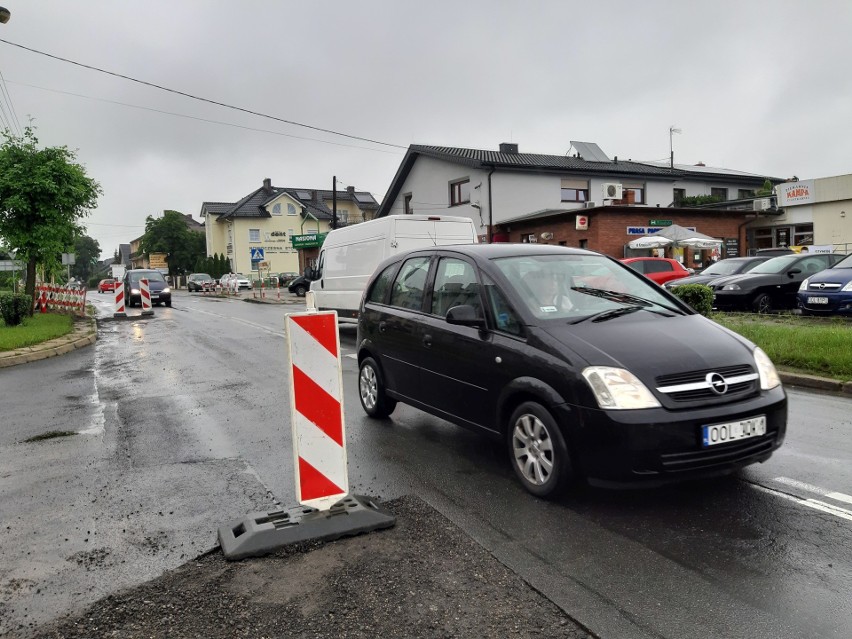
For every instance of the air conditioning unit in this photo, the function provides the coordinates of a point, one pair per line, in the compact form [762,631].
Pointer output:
[762,204]
[611,191]
[590,205]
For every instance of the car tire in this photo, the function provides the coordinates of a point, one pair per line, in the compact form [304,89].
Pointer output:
[762,303]
[371,390]
[300,290]
[169,303]
[537,450]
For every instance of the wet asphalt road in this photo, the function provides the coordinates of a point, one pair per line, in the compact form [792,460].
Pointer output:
[184,425]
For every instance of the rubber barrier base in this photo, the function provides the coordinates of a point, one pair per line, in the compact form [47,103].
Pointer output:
[262,533]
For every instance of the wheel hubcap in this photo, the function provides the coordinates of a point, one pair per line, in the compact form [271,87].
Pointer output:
[533,449]
[368,387]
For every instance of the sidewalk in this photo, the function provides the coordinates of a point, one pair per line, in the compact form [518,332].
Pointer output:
[422,578]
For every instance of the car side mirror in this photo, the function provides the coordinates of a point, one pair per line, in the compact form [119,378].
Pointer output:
[793,271]
[465,315]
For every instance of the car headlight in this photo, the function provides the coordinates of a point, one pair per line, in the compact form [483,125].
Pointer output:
[766,369]
[731,287]
[804,285]
[166,290]
[848,287]
[134,291]
[618,389]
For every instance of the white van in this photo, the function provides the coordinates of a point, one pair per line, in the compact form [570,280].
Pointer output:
[350,255]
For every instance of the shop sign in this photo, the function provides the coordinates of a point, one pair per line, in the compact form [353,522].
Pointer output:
[794,193]
[732,247]
[659,222]
[157,261]
[649,230]
[311,240]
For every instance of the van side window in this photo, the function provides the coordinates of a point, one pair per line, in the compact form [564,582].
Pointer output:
[505,318]
[379,292]
[455,284]
[408,286]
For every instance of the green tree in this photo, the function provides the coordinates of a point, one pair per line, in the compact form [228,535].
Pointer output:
[44,194]
[88,252]
[168,234]
[116,257]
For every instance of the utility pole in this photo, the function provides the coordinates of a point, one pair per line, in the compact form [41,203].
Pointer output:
[334,202]
[672,130]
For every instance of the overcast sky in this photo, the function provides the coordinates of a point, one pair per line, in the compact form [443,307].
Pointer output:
[762,87]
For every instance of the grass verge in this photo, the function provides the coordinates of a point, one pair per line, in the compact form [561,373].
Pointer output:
[805,344]
[34,330]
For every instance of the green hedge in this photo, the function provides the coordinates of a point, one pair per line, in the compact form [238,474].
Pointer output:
[698,296]
[14,308]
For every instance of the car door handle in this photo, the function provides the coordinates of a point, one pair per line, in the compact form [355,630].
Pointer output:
[427,341]
[383,326]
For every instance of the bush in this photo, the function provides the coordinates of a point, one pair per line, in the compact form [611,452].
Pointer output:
[697,296]
[14,308]
[94,281]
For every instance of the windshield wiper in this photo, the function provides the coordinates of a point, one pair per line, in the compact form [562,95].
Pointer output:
[623,298]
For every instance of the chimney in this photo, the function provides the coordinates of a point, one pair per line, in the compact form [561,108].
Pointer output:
[701,164]
[508,147]
[267,185]
[315,197]
[350,190]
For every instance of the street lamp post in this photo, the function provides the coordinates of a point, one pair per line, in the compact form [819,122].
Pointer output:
[672,131]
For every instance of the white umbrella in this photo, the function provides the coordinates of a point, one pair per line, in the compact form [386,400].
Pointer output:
[649,242]
[675,235]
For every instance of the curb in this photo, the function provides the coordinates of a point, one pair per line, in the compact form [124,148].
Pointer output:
[84,333]
[815,382]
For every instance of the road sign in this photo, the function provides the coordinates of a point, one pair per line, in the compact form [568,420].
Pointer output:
[157,261]
[257,254]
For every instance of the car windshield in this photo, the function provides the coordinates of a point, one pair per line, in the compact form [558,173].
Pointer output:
[846,262]
[575,287]
[723,267]
[151,276]
[202,277]
[776,264]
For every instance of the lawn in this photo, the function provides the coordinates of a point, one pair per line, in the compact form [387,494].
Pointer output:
[36,329]
[805,344]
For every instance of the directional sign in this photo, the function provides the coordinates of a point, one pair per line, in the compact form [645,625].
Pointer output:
[257,254]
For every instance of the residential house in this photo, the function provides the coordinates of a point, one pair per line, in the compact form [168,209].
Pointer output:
[280,227]
[138,259]
[619,199]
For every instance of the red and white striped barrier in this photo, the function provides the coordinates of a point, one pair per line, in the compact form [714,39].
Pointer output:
[145,297]
[316,401]
[119,301]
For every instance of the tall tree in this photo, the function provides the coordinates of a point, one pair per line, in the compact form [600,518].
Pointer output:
[169,234]
[88,252]
[44,194]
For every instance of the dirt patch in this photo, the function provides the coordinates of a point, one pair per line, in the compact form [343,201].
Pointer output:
[422,578]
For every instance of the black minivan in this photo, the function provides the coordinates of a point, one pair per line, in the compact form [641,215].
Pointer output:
[583,367]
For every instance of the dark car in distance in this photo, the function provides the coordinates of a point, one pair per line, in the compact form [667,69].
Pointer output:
[581,366]
[299,285]
[772,285]
[722,268]
[157,287]
[828,292]
[200,282]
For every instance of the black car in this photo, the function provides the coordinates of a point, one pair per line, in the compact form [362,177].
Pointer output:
[772,285]
[299,285]
[722,268]
[582,367]
[199,282]
[157,286]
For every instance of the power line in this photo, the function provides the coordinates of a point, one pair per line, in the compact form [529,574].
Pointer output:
[11,105]
[192,117]
[200,99]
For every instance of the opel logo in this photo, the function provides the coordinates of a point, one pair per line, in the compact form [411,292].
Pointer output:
[819,286]
[717,383]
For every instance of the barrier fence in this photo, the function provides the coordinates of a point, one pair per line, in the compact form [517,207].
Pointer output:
[60,299]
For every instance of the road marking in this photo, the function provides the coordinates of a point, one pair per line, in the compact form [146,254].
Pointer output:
[815,489]
[816,504]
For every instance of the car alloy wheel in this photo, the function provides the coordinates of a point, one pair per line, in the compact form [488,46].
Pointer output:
[300,291]
[763,303]
[371,390]
[538,451]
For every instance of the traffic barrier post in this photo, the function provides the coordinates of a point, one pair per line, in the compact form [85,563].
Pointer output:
[145,297]
[327,509]
[119,302]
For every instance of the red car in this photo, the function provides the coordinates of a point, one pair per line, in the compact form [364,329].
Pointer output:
[105,286]
[658,269]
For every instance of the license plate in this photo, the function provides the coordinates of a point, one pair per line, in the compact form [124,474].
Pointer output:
[733,431]
[817,300]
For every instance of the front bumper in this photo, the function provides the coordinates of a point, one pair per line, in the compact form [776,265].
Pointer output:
[839,303]
[732,299]
[657,446]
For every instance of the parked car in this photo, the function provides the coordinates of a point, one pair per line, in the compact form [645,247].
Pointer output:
[774,252]
[772,285]
[107,285]
[284,279]
[615,385]
[300,285]
[657,269]
[829,291]
[722,268]
[242,281]
[157,286]
[199,282]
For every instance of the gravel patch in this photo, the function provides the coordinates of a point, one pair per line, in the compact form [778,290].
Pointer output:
[422,578]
